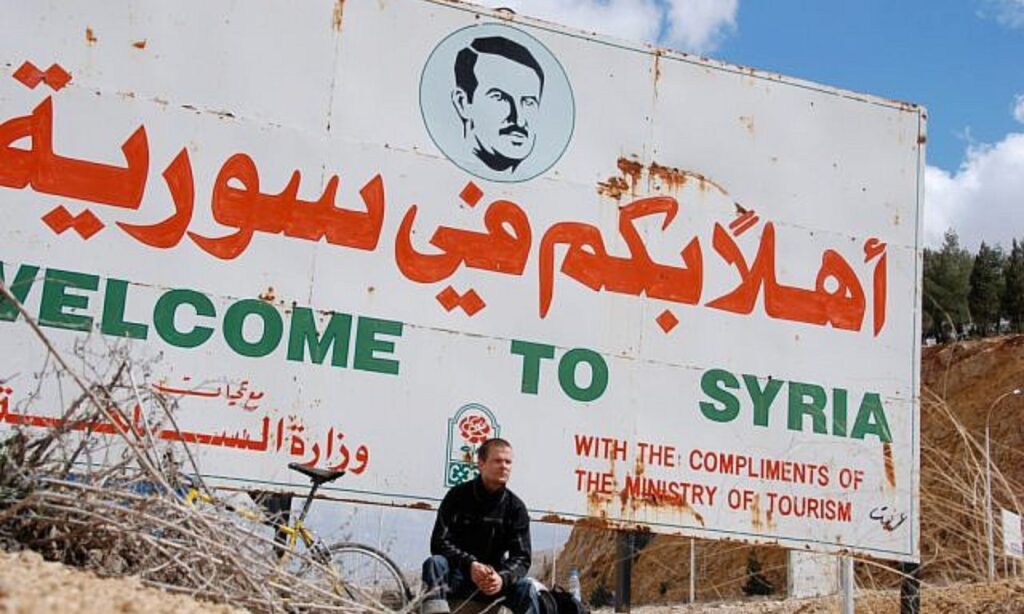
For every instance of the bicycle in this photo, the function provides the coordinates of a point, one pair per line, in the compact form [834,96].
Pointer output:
[361,573]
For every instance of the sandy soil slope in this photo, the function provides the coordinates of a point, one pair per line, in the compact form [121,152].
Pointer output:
[28,584]
[1006,597]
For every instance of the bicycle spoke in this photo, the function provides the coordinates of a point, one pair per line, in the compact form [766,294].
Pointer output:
[364,576]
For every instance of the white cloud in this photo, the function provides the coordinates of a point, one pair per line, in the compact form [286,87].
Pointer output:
[983,200]
[1009,13]
[700,25]
[695,26]
[1018,108]
[636,20]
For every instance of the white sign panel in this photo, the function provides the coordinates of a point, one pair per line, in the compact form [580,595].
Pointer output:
[370,235]
[1013,537]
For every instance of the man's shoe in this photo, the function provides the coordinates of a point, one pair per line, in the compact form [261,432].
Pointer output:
[435,606]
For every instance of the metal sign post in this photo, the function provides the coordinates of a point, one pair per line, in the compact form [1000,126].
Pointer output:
[693,570]
[846,585]
[910,589]
[623,570]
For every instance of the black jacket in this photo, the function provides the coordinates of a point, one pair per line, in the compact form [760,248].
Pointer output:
[492,528]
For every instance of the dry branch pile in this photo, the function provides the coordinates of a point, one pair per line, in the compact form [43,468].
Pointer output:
[93,489]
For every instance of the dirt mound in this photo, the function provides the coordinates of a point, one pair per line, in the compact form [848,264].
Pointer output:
[661,570]
[960,382]
[30,585]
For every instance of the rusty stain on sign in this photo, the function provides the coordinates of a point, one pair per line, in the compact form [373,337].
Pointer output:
[657,71]
[890,469]
[338,15]
[630,169]
[613,187]
[658,177]
[90,37]
[596,503]
[697,516]
[748,123]
[703,182]
[671,178]
[623,500]
[594,523]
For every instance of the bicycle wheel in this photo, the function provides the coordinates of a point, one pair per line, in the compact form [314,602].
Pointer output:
[365,576]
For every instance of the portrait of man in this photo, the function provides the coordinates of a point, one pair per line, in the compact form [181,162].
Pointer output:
[498,90]
[497,103]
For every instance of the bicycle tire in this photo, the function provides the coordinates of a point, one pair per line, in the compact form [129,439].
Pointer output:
[369,576]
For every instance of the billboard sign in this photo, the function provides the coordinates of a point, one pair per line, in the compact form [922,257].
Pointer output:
[370,235]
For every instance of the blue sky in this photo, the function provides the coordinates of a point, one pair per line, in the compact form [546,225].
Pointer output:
[966,68]
[962,59]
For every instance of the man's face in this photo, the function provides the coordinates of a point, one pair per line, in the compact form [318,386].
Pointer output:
[504,107]
[497,468]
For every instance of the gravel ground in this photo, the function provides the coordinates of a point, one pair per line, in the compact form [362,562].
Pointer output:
[1004,597]
[30,585]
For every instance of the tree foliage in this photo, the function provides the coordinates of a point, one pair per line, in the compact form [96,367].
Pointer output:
[986,293]
[981,294]
[1013,287]
[947,274]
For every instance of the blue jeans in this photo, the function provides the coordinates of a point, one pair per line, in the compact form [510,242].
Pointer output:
[443,582]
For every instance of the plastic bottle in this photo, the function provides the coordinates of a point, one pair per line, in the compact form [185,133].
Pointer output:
[574,584]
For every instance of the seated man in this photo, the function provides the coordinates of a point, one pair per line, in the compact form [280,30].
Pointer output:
[481,540]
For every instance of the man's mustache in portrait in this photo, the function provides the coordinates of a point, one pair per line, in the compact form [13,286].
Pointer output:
[514,129]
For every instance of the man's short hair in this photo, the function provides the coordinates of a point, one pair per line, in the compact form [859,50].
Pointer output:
[485,448]
[465,60]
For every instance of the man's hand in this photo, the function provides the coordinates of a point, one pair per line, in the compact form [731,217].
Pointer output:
[486,579]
